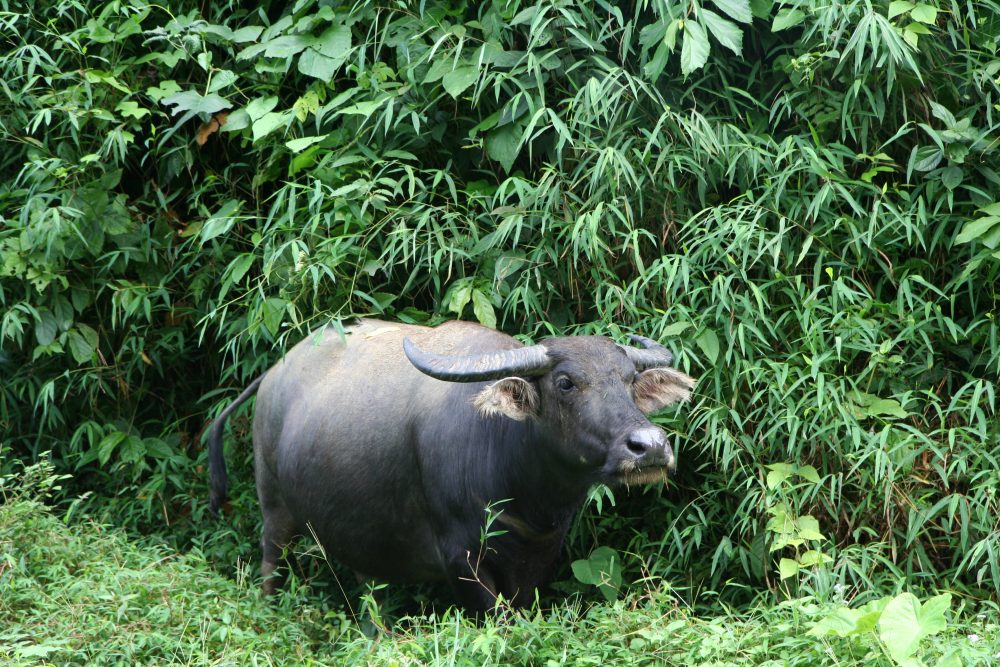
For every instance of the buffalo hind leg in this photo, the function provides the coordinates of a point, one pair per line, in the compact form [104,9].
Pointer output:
[279,529]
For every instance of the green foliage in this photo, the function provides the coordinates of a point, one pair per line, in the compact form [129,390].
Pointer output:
[602,570]
[786,528]
[811,224]
[901,623]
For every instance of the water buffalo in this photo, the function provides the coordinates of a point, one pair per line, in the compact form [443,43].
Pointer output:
[390,443]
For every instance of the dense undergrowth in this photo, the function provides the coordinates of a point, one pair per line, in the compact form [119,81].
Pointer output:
[76,592]
[799,197]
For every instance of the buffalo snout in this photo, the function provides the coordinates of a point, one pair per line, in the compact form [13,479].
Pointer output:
[649,449]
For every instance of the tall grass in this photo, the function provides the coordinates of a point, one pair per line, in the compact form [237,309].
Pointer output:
[76,592]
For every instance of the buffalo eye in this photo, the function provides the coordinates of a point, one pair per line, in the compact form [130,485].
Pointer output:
[565,385]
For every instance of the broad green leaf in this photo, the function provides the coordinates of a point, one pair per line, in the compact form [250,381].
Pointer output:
[270,122]
[458,80]
[502,145]
[365,108]
[952,658]
[461,295]
[334,43]
[238,120]
[813,557]
[870,613]
[247,34]
[273,311]
[899,626]
[222,79]
[602,569]
[788,568]
[259,107]
[924,13]
[675,329]
[807,528]
[438,69]
[38,650]
[843,622]
[483,309]
[781,521]
[726,32]
[911,34]
[239,267]
[157,448]
[943,114]
[951,177]
[132,109]
[897,7]
[46,327]
[195,102]
[302,143]
[808,473]
[306,105]
[670,36]
[286,46]
[975,229]
[100,76]
[165,89]
[82,343]
[654,68]
[761,8]
[933,614]
[738,10]
[787,18]
[867,405]
[904,622]
[694,47]
[108,444]
[779,472]
[326,54]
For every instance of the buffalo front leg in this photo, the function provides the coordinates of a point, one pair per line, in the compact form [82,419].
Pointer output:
[473,584]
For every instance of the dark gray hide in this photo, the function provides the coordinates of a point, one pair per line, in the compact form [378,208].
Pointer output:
[392,469]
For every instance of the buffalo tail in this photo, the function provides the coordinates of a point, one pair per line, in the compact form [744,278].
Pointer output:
[219,483]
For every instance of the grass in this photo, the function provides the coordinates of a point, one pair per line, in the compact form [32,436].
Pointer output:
[76,592]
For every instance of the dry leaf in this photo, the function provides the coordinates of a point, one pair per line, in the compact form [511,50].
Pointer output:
[212,126]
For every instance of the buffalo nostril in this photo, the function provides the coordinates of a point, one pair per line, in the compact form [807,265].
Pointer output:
[641,442]
[637,447]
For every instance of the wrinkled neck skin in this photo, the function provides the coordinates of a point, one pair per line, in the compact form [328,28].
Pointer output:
[542,493]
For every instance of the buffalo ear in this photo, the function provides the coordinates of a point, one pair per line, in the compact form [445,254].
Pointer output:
[512,397]
[658,387]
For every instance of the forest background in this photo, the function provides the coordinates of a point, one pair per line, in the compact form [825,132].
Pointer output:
[798,197]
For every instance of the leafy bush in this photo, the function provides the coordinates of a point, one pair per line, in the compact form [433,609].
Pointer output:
[798,196]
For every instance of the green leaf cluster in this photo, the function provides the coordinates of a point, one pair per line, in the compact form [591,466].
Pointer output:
[901,622]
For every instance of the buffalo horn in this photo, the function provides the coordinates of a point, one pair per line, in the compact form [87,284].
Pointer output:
[652,354]
[522,361]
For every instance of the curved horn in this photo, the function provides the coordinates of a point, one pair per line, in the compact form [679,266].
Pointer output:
[523,361]
[653,355]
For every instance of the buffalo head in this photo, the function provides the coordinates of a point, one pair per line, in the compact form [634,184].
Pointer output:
[587,396]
